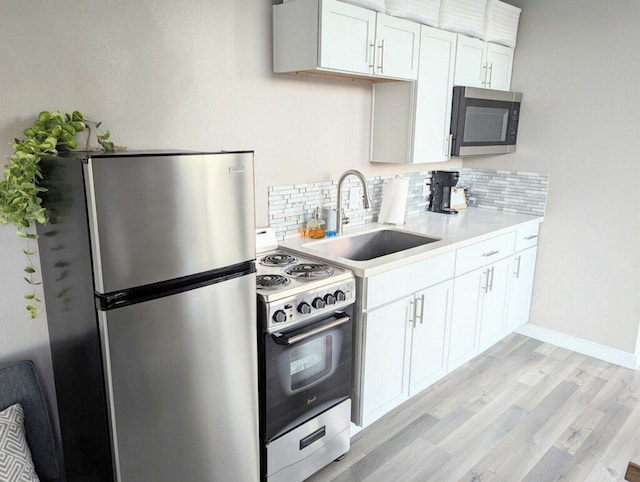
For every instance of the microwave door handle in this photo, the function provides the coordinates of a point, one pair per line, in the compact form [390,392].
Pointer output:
[282,339]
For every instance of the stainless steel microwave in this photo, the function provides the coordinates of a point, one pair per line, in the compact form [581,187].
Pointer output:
[484,121]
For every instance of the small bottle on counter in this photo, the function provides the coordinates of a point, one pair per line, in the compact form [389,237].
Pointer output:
[316,227]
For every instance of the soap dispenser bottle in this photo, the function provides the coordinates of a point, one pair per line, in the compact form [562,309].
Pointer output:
[316,227]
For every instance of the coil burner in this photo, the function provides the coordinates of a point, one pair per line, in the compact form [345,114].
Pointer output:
[278,259]
[307,271]
[272,281]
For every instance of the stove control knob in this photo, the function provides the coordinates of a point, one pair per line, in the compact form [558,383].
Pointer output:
[304,308]
[340,296]
[318,303]
[280,316]
[330,299]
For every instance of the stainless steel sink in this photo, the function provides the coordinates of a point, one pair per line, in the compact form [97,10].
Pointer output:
[366,246]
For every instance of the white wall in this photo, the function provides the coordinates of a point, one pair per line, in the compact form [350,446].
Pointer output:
[167,74]
[576,64]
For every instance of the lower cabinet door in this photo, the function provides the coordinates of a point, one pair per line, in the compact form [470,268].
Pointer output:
[493,304]
[429,337]
[522,272]
[386,356]
[464,317]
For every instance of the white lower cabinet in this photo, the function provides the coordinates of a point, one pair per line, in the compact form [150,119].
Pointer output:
[429,336]
[523,266]
[478,319]
[384,384]
[404,349]
[412,336]
[464,320]
[493,299]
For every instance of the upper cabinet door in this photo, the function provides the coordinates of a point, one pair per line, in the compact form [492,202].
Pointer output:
[499,66]
[397,47]
[347,37]
[483,64]
[434,91]
[470,62]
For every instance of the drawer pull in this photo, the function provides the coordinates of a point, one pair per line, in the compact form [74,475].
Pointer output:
[490,253]
[533,236]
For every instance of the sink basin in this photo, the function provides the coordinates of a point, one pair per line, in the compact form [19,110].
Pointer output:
[366,246]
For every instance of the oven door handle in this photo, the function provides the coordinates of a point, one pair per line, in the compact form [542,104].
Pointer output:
[282,339]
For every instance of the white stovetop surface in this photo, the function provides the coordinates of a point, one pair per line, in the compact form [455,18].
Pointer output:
[455,231]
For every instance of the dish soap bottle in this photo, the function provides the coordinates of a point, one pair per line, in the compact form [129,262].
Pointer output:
[316,227]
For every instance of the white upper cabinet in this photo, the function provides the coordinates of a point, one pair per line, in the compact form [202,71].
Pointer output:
[333,37]
[396,48]
[347,37]
[483,64]
[499,66]
[411,121]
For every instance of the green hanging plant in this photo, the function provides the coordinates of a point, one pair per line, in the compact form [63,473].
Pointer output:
[20,201]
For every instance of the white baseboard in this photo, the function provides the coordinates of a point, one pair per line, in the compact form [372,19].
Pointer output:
[589,348]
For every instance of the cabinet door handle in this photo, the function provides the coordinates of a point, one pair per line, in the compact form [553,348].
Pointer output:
[490,253]
[490,74]
[492,271]
[483,75]
[381,52]
[517,271]
[533,236]
[485,288]
[449,146]
[412,312]
[372,56]
[421,316]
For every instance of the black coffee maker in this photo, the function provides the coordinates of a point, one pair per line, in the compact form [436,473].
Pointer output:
[440,195]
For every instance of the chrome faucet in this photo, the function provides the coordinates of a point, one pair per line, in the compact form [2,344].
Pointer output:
[367,202]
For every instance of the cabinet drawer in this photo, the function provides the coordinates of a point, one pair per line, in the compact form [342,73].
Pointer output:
[397,283]
[484,252]
[527,236]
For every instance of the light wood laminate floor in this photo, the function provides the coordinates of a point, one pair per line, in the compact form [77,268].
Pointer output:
[522,411]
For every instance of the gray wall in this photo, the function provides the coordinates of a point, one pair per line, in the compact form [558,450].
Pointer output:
[576,63]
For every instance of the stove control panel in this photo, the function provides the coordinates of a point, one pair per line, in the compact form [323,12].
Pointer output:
[308,305]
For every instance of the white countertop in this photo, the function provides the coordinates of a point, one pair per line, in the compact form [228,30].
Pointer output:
[454,230]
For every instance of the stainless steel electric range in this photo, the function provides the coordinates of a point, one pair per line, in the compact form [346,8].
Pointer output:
[305,336]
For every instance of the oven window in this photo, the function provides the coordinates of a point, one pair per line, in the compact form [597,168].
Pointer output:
[485,124]
[310,361]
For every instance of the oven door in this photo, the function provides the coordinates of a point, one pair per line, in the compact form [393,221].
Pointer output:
[307,371]
[484,121]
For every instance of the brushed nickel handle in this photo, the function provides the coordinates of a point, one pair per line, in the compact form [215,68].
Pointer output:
[381,48]
[449,146]
[372,56]
[483,75]
[412,312]
[490,74]
[492,270]
[490,253]
[485,288]
[517,271]
[533,236]
[421,316]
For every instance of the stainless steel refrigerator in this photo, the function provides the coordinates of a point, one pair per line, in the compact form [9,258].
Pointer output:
[148,264]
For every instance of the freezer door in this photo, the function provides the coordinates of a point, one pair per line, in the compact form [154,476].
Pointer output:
[182,382]
[159,217]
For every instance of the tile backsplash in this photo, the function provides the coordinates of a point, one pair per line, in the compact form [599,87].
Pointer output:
[292,205]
